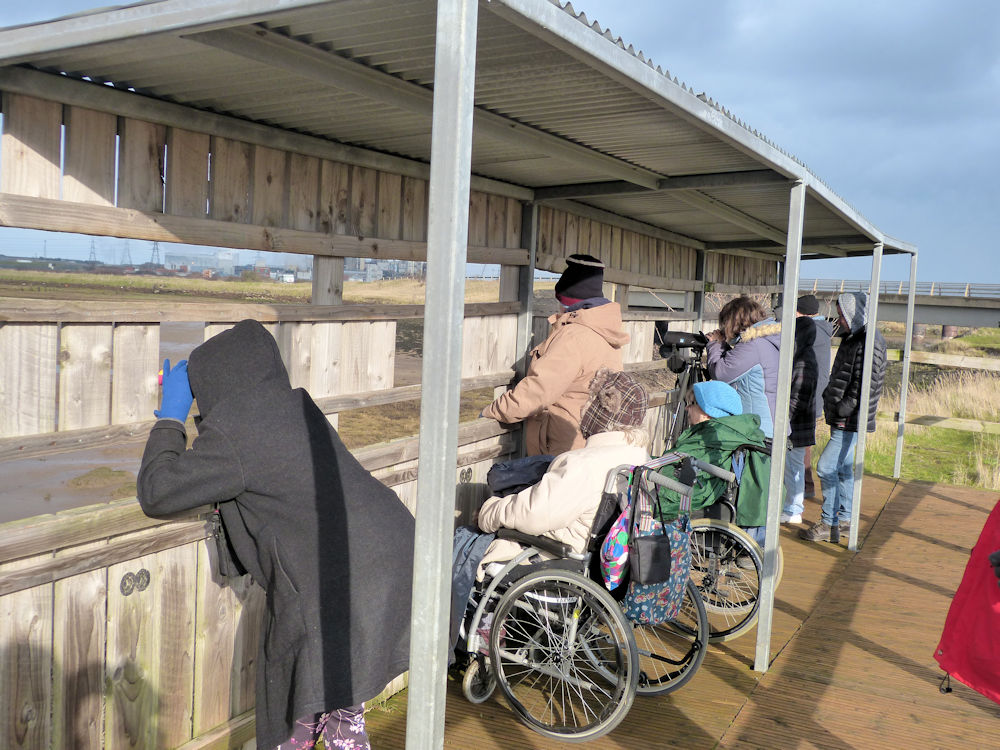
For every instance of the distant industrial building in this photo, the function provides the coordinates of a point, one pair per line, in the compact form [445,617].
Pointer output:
[221,263]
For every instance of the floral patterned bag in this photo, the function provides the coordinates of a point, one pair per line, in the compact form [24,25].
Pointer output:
[614,551]
[655,602]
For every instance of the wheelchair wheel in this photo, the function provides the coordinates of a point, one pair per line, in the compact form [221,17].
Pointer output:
[563,655]
[670,654]
[726,568]
[479,682]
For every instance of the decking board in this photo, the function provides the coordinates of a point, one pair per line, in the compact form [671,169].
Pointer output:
[853,637]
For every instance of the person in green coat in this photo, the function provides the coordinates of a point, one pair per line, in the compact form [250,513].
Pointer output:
[717,428]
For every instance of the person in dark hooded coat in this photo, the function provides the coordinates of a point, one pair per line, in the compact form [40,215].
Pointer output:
[801,417]
[841,405]
[331,546]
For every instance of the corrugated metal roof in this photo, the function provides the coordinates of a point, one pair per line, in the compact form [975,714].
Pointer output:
[560,101]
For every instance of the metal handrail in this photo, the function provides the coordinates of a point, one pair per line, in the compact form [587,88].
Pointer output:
[924,288]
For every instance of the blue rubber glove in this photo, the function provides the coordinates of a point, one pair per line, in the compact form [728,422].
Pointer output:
[177,398]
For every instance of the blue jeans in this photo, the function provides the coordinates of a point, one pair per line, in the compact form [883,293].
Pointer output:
[835,470]
[795,481]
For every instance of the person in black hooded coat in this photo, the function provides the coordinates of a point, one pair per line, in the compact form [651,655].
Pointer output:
[331,546]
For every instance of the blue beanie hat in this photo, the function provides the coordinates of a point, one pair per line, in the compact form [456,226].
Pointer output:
[717,399]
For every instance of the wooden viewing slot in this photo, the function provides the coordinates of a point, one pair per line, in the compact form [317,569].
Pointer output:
[20,310]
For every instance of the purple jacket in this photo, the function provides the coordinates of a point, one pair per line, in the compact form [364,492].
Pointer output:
[751,367]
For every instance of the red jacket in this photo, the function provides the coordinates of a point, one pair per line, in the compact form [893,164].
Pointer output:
[970,645]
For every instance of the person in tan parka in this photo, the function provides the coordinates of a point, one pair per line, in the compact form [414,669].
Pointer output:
[585,337]
[562,505]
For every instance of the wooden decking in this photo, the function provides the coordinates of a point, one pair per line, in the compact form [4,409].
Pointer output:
[852,646]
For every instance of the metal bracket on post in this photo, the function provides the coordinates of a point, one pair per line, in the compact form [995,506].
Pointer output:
[793,257]
[871,325]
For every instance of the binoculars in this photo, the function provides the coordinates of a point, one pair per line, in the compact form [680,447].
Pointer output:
[679,348]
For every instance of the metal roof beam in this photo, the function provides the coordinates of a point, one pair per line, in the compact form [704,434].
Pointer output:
[720,210]
[633,225]
[682,182]
[328,68]
[723,180]
[757,254]
[20,43]
[588,190]
[821,252]
[855,239]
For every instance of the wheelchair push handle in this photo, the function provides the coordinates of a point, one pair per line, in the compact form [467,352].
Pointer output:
[611,483]
[714,470]
[670,484]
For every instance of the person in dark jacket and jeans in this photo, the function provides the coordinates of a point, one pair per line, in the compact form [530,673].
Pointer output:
[808,305]
[801,417]
[331,546]
[841,403]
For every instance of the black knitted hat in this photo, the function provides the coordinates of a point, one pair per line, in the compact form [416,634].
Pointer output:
[808,305]
[582,278]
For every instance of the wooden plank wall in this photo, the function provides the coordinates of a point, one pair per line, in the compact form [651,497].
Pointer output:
[89,649]
[562,233]
[732,269]
[156,168]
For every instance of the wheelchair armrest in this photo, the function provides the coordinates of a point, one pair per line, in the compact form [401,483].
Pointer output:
[541,542]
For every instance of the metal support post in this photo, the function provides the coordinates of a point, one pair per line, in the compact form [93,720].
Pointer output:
[526,286]
[526,296]
[700,264]
[793,258]
[871,325]
[447,235]
[904,384]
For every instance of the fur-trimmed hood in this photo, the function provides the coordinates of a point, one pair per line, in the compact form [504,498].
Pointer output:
[750,366]
[769,327]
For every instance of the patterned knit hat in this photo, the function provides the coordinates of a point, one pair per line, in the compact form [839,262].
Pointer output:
[582,279]
[617,401]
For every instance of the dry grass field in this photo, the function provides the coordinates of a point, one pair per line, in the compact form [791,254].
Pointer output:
[14,283]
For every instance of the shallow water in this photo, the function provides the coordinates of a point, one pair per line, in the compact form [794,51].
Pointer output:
[33,486]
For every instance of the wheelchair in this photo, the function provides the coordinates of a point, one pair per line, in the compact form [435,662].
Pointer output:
[557,643]
[726,563]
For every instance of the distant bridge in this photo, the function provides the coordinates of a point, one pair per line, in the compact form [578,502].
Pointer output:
[935,303]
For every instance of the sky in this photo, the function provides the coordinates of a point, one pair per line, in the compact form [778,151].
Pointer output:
[894,104]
